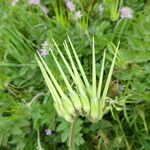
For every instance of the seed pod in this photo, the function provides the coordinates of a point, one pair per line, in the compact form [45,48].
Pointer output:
[104,95]
[94,110]
[94,100]
[101,112]
[76,101]
[99,89]
[75,79]
[79,64]
[60,110]
[68,106]
[82,96]
[73,96]
[49,83]
[79,83]
[85,103]
[66,101]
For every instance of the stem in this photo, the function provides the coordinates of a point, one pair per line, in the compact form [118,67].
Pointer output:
[35,98]
[72,139]
[16,65]
[38,141]
[122,29]
[123,133]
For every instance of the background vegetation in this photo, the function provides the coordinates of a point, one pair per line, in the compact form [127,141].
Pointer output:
[28,119]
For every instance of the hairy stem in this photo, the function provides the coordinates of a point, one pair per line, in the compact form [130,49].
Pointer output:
[72,138]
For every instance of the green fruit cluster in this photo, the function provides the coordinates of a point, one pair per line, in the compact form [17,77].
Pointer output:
[84,98]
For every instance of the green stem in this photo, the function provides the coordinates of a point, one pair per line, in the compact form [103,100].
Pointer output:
[38,141]
[122,29]
[16,65]
[123,25]
[35,98]
[72,139]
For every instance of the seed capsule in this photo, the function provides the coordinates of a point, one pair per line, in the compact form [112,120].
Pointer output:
[85,103]
[76,101]
[101,112]
[94,109]
[62,113]
[58,110]
[68,106]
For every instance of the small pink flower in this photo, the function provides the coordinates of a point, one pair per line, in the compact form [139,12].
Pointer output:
[43,52]
[34,2]
[70,5]
[100,8]
[14,2]
[78,15]
[126,12]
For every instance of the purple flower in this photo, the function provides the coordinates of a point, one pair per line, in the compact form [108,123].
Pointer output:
[14,2]
[48,132]
[78,15]
[126,12]
[43,52]
[70,5]
[34,2]
[100,8]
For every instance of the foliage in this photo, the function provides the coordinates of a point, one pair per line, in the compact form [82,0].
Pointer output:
[26,106]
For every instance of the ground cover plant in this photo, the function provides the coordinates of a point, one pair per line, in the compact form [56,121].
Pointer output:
[107,49]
